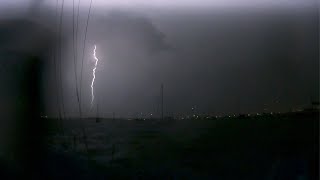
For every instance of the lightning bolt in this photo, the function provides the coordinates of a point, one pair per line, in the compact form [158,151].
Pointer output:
[94,73]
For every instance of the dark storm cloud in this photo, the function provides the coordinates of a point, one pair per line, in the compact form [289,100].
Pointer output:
[221,62]
[123,31]
[127,45]
[240,61]
[131,43]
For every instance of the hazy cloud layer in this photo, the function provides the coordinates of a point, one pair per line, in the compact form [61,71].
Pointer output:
[219,61]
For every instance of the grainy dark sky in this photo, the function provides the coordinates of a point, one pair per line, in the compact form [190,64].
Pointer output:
[221,58]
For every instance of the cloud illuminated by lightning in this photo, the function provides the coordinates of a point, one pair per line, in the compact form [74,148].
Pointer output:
[94,73]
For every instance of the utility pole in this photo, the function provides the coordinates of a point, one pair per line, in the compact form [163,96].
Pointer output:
[97,114]
[162,101]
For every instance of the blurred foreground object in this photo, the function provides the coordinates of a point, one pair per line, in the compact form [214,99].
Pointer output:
[26,45]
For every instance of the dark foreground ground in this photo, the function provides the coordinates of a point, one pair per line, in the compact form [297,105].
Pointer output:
[276,147]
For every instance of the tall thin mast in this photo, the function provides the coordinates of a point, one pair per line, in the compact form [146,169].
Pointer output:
[162,101]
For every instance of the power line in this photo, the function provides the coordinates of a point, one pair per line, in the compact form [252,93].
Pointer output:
[77,25]
[84,45]
[60,68]
[55,67]
[75,59]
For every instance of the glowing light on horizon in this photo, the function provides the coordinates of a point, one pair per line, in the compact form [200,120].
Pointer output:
[94,73]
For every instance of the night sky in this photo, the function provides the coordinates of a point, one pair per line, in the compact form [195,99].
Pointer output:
[218,57]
